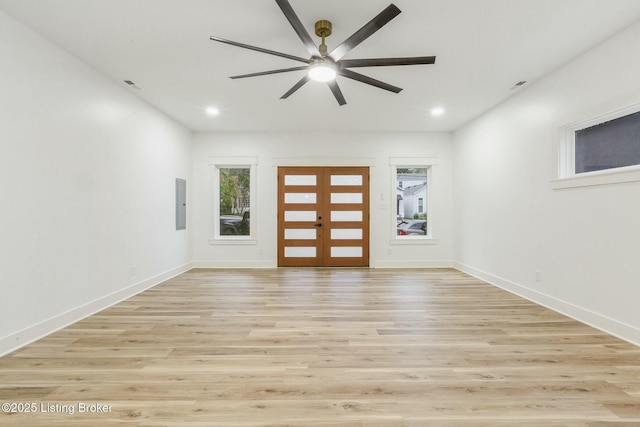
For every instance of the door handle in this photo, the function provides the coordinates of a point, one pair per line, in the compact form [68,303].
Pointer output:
[319,224]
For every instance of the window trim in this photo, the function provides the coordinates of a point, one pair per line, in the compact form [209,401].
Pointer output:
[566,175]
[412,162]
[215,164]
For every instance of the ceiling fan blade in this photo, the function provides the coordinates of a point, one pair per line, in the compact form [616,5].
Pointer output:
[266,73]
[368,80]
[333,85]
[295,22]
[367,30]
[384,62]
[259,49]
[295,87]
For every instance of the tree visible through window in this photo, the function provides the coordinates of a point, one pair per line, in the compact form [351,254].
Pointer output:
[235,203]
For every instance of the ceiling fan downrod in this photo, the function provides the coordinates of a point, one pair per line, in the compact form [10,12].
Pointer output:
[323,29]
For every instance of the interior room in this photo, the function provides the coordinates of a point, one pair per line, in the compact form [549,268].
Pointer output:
[120,123]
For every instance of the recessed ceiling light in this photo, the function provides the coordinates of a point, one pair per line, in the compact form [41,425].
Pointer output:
[212,111]
[437,111]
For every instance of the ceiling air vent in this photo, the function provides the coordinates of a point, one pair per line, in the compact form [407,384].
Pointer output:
[519,84]
[132,84]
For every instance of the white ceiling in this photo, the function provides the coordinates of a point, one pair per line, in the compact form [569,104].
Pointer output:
[483,48]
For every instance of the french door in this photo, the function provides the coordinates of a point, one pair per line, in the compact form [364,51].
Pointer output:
[323,216]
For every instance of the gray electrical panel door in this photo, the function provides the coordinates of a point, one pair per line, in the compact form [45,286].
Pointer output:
[181,204]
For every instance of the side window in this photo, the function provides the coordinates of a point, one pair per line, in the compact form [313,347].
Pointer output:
[411,195]
[234,195]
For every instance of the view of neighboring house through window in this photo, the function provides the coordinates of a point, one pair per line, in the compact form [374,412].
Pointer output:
[411,202]
[234,201]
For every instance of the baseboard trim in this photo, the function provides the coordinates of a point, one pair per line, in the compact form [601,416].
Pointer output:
[234,264]
[606,324]
[33,333]
[374,264]
[411,264]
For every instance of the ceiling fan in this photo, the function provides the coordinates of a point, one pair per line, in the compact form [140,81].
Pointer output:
[324,65]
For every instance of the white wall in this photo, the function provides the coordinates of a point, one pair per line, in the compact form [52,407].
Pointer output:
[510,223]
[87,174]
[324,149]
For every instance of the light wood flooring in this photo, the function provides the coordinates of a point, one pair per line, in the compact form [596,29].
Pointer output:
[325,347]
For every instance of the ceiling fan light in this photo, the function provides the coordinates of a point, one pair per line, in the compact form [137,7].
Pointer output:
[322,72]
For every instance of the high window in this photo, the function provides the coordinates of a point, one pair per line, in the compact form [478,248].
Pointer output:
[604,149]
[608,145]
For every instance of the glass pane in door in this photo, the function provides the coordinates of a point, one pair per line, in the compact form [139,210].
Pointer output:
[300,234]
[346,251]
[300,252]
[299,180]
[346,216]
[346,234]
[308,216]
[342,198]
[341,180]
[303,198]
